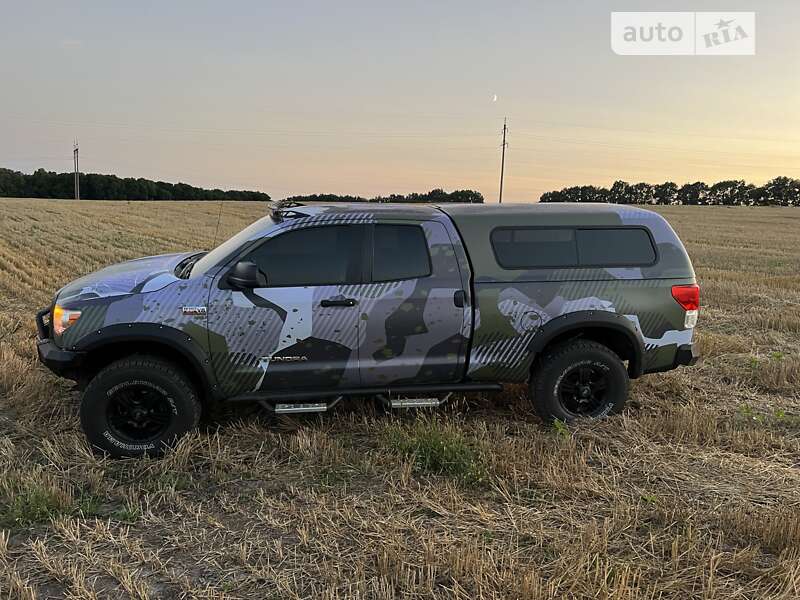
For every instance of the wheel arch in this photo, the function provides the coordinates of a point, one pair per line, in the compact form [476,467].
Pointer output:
[613,330]
[118,341]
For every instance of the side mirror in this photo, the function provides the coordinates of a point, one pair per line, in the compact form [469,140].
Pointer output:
[246,275]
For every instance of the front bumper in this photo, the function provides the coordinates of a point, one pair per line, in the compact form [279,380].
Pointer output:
[63,363]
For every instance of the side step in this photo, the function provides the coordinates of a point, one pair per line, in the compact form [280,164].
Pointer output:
[321,407]
[300,408]
[395,403]
[304,407]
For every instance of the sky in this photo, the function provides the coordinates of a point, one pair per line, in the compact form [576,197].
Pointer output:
[371,98]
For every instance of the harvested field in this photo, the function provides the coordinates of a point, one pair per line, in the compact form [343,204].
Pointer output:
[694,492]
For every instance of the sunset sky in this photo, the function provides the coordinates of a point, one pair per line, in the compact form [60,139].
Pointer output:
[376,97]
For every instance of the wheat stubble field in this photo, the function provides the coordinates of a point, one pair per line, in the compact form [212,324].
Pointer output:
[694,492]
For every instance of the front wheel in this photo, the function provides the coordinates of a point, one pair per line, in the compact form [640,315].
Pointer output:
[138,405]
[579,379]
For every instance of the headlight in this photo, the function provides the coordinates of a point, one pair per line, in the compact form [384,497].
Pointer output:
[62,319]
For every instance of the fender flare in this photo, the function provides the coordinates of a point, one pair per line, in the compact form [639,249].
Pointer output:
[593,319]
[176,340]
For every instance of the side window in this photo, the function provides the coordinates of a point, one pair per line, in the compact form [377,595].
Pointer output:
[610,247]
[399,252]
[565,247]
[518,248]
[326,255]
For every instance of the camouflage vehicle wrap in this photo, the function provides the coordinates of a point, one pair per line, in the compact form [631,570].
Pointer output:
[402,331]
[513,306]
[469,320]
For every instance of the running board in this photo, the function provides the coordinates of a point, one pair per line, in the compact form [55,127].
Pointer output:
[306,407]
[395,403]
[300,408]
[408,390]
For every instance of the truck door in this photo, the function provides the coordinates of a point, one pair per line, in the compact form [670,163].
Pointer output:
[299,331]
[414,314]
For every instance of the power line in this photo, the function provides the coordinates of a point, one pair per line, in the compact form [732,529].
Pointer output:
[503,160]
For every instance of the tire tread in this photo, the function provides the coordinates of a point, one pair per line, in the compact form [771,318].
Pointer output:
[151,363]
[538,392]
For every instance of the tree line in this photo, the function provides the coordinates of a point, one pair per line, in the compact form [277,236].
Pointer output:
[47,184]
[781,191]
[437,196]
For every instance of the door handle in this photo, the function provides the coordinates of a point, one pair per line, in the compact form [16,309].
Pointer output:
[460,298]
[338,302]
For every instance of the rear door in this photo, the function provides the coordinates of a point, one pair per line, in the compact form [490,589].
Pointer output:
[413,315]
[299,331]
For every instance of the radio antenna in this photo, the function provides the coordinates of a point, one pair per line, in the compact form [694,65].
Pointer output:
[216,231]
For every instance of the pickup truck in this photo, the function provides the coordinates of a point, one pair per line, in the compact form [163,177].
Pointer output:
[406,303]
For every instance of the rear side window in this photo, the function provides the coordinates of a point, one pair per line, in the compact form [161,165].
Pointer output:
[532,248]
[518,248]
[326,255]
[399,252]
[610,247]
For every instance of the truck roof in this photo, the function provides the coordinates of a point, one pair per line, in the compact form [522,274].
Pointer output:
[466,211]
[475,220]
[459,212]
[396,210]
[535,209]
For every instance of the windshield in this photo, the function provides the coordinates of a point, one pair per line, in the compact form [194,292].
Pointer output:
[225,249]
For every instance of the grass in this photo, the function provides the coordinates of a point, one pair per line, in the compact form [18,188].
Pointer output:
[30,505]
[437,448]
[34,497]
[692,492]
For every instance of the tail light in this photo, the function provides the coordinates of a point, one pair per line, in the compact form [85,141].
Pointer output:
[688,296]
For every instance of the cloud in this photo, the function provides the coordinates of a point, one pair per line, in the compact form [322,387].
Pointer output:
[71,43]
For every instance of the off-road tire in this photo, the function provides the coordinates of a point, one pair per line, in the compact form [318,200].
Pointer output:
[145,374]
[563,360]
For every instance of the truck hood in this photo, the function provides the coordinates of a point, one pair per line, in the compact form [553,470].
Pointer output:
[136,276]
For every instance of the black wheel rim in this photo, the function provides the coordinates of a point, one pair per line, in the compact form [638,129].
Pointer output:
[583,389]
[139,413]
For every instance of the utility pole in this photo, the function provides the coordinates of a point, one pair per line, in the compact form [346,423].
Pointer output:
[503,161]
[77,171]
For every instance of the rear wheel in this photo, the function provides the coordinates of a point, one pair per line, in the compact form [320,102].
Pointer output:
[579,379]
[138,405]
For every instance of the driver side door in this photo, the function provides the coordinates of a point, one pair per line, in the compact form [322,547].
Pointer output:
[299,331]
